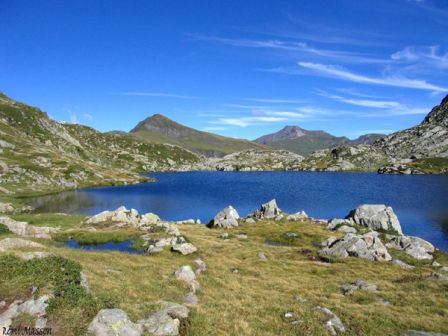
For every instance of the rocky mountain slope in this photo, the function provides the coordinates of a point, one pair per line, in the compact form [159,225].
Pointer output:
[160,129]
[420,149]
[38,154]
[304,142]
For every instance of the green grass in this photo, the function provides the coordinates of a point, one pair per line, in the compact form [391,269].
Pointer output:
[101,237]
[49,219]
[431,165]
[4,230]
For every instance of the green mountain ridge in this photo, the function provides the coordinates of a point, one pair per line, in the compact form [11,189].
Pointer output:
[160,129]
[38,154]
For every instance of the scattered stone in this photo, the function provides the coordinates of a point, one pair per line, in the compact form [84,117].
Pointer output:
[291,235]
[350,288]
[268,210]
[444,269]
[383,302]
[224,235]
[114,322]
[279,218]
[234,270]
[34,255]
[185,248]
[332,322]
[367,246]
[436,264]
[123,216]
[250,220]
[420,333]
[299,299]
[376,217]
[154,249]
[6,208]
[17,243]
[160,324]
[241,236]
[262,256]
[439,277]
[402,264]
[185,274]
[84,283]
[346,229]
[190,299]
[175,310]
[298,216]
[227,218]
[289,316]
[202,266]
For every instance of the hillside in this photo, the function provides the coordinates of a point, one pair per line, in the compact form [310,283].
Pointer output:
[419,149]
[160,129]
[304,142]
[38,154]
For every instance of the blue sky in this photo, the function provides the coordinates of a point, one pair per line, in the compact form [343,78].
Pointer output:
[237,68]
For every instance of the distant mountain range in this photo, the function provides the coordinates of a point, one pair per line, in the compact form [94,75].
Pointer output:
[160,129]
[304,142]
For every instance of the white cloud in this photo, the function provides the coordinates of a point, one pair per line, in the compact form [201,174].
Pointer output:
[427,55]
[382,104]
[341,73]
[248,121]
[73,117]
[275,100]
[214,128]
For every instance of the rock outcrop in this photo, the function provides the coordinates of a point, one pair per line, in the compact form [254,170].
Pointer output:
[367,246]
[114,322]
[25,230]
[267,210]
[226,218]
[416,247]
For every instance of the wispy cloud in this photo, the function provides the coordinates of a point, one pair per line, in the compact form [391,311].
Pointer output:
[427,55]
[341,73]
[275,100]
[157,94]
[214,128]
[88,116]
[299,47]
[382,104]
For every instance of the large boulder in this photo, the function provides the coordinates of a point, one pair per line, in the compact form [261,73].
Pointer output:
[367,246]
[185,248]
[377,217]
[416,247]
[6,208]
[114,322]
[268,210]
[227,218]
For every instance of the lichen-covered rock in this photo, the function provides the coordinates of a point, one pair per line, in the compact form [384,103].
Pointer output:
[376,217]
[114,322]
[226,218]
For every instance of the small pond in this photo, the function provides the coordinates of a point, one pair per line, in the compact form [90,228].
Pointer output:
[124,246]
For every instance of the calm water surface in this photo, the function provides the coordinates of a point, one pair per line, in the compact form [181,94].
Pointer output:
[420,201]
[124,246]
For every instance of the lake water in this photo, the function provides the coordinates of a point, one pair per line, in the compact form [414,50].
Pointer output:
[420,201]
[124,246]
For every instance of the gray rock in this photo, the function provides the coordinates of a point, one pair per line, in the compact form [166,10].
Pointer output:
[402,264]
[185,274]
[414,246]
[190,299]
[250,220]
[439,276]
[160,324]
[367,246]
[241,236]
[420,333]
[298,216]
[17,243]
[262,256]
[334,223]
[175,310]
[185,248]
[224,235]
[34,255]
[6,208]
[350,288]
[346,229]
[35,307]
[268,210]
[333,323]
[201,266]
[376,217]
[25,230]
[227,218]
[84,282]
[114,322]
[436,264]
